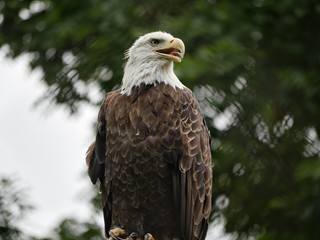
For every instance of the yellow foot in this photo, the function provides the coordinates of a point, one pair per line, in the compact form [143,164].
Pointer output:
[117,233]
[135,236]
[148,236]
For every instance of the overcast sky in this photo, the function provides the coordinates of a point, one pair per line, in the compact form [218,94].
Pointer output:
[44,149]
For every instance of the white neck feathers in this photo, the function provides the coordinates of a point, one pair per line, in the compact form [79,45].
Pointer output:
[148,72]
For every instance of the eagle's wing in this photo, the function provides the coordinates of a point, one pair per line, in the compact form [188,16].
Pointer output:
[193,176]
[97,163]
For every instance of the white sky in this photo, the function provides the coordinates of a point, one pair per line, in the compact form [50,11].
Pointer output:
[45,149]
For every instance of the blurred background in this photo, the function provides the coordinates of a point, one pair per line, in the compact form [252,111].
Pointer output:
[254,66]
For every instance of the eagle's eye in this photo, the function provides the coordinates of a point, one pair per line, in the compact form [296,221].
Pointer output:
[154,42]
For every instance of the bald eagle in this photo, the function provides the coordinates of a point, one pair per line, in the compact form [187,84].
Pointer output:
[152,152]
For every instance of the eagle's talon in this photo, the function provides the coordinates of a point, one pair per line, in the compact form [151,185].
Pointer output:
[133,236]
[117,233]
[148,236]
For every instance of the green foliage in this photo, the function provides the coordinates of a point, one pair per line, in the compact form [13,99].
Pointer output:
[12,208]
[254,66]
[70,229]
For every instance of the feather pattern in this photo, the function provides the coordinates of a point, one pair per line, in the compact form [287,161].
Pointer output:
[157,162]
[152,150]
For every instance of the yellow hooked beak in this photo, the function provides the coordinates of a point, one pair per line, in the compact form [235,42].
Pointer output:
[173,50]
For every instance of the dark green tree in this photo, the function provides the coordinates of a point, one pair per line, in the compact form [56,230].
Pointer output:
[13,207]
[254,66]
[70,229]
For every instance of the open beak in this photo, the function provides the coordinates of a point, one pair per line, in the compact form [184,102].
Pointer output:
[174,50]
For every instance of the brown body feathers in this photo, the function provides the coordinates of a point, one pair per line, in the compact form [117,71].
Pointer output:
[152,156]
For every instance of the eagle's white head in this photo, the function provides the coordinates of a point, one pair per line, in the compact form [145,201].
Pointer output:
[150,61]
